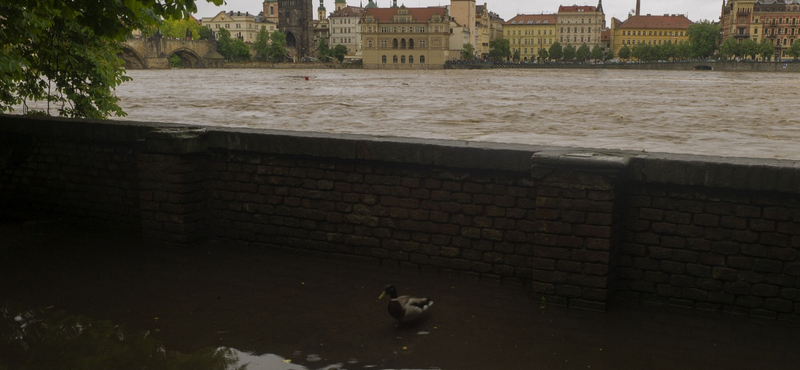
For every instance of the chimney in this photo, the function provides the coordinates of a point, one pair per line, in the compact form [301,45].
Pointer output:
[638,7]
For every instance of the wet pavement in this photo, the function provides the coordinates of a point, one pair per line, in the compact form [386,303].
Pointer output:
[292,311]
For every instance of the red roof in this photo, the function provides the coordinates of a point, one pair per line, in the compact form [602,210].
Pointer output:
[532,19]
[348,11]
[657,22]
[418,15]
[576,8]
[605,35]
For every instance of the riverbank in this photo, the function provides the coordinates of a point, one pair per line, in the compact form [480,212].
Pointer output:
[719,66]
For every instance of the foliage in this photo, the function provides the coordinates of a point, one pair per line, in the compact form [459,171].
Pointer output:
[277,46]
[176,28]
[499,49]
[543,54]
[324,50]
[204,33]
[704,38]
[625,52]
[597,53]
[234,50]
[556,51]
[66,52]
[51,339]
[339,52]
[767,49]
[569,52]
[517,56]
[468,52]
[175,61]
[793,51]
[684,51]
[261,46]
[750,49]
[583,53]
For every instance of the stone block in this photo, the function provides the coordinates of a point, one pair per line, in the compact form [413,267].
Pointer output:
[750,302]
[762,265]
[764,290]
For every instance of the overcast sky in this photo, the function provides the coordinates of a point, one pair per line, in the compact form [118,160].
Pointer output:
[696,10]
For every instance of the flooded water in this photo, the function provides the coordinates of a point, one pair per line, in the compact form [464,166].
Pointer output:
[80,298]
[713,113]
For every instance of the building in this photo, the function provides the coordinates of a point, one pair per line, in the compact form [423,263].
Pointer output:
[459,36]
[295,20]
[529,33]
[270,11]
[321,25]
[405,37]
[489,26]
[241,25]
[344,28]
[774,20]
[464,13]
[649,29]
[578,25]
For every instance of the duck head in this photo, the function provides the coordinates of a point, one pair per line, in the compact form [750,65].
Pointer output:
[390,290]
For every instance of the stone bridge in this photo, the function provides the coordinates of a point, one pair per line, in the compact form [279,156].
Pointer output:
[154,53]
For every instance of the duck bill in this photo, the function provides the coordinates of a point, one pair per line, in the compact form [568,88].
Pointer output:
[382,295]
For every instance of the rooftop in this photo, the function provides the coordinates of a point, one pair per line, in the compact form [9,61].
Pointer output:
[657,22]
[532,19]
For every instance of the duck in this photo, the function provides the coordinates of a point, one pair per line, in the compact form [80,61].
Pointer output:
[405,308]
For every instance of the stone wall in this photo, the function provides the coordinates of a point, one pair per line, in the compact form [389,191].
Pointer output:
[578,226]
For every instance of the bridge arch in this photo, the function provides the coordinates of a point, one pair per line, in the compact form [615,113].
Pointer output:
[132,58]
[189,58]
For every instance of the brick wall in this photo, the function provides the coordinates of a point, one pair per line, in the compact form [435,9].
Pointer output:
[579,227]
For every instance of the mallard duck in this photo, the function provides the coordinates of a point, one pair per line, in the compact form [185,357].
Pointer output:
[405,308]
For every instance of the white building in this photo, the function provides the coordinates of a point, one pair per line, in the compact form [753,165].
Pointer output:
[345,29]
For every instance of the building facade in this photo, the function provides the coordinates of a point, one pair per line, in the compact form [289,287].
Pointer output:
[345,28]
[405,38]
[464,13]
[650,29]
[578,25]
[241,25]
[270,11]
[489,26]
[775,20]
[529,33]
[295,20]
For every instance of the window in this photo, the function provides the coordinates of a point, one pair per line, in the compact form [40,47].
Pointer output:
[403,59]
[369,43]
[410,43]
[422,59]
[422,45]
[394,44]
[394,59]
[383,59]
[403,44]
[410,59]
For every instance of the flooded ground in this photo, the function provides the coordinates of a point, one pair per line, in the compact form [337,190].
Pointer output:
[713,113]
[294,312]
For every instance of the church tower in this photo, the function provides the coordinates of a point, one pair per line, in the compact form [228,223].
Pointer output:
[321,12]
[341,4]
[295,19]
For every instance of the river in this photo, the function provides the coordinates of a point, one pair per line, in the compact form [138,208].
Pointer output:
[713,113]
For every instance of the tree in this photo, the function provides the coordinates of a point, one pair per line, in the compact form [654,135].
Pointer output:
[261,46]
[597,53]
[543,54]
[625,52]
[339,52]
[324,50]
[234,50]
[176,28]
[67,52]
[793,51]
[517,55]
[277,46]
[569,52]
[750,49]
[704,38]
[583,52]
[499,49]
[467,52]
[556,51]
[609,54]
[204,33]
[729,48]
[684,51]
[669,51]
[767,49]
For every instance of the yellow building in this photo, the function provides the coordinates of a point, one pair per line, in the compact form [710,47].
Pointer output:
[405,37]
[489,27]
[578,25]
[776,21]
[528,33]
[241,25]
[649,29]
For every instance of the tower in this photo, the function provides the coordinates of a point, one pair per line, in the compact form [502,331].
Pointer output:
[340,4]
[464,12]
[321,13]
[295,19]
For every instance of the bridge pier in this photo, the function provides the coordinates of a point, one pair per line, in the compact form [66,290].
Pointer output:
[154,53]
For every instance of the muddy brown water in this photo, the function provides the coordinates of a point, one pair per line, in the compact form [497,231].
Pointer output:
[323,313]
[712,113]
